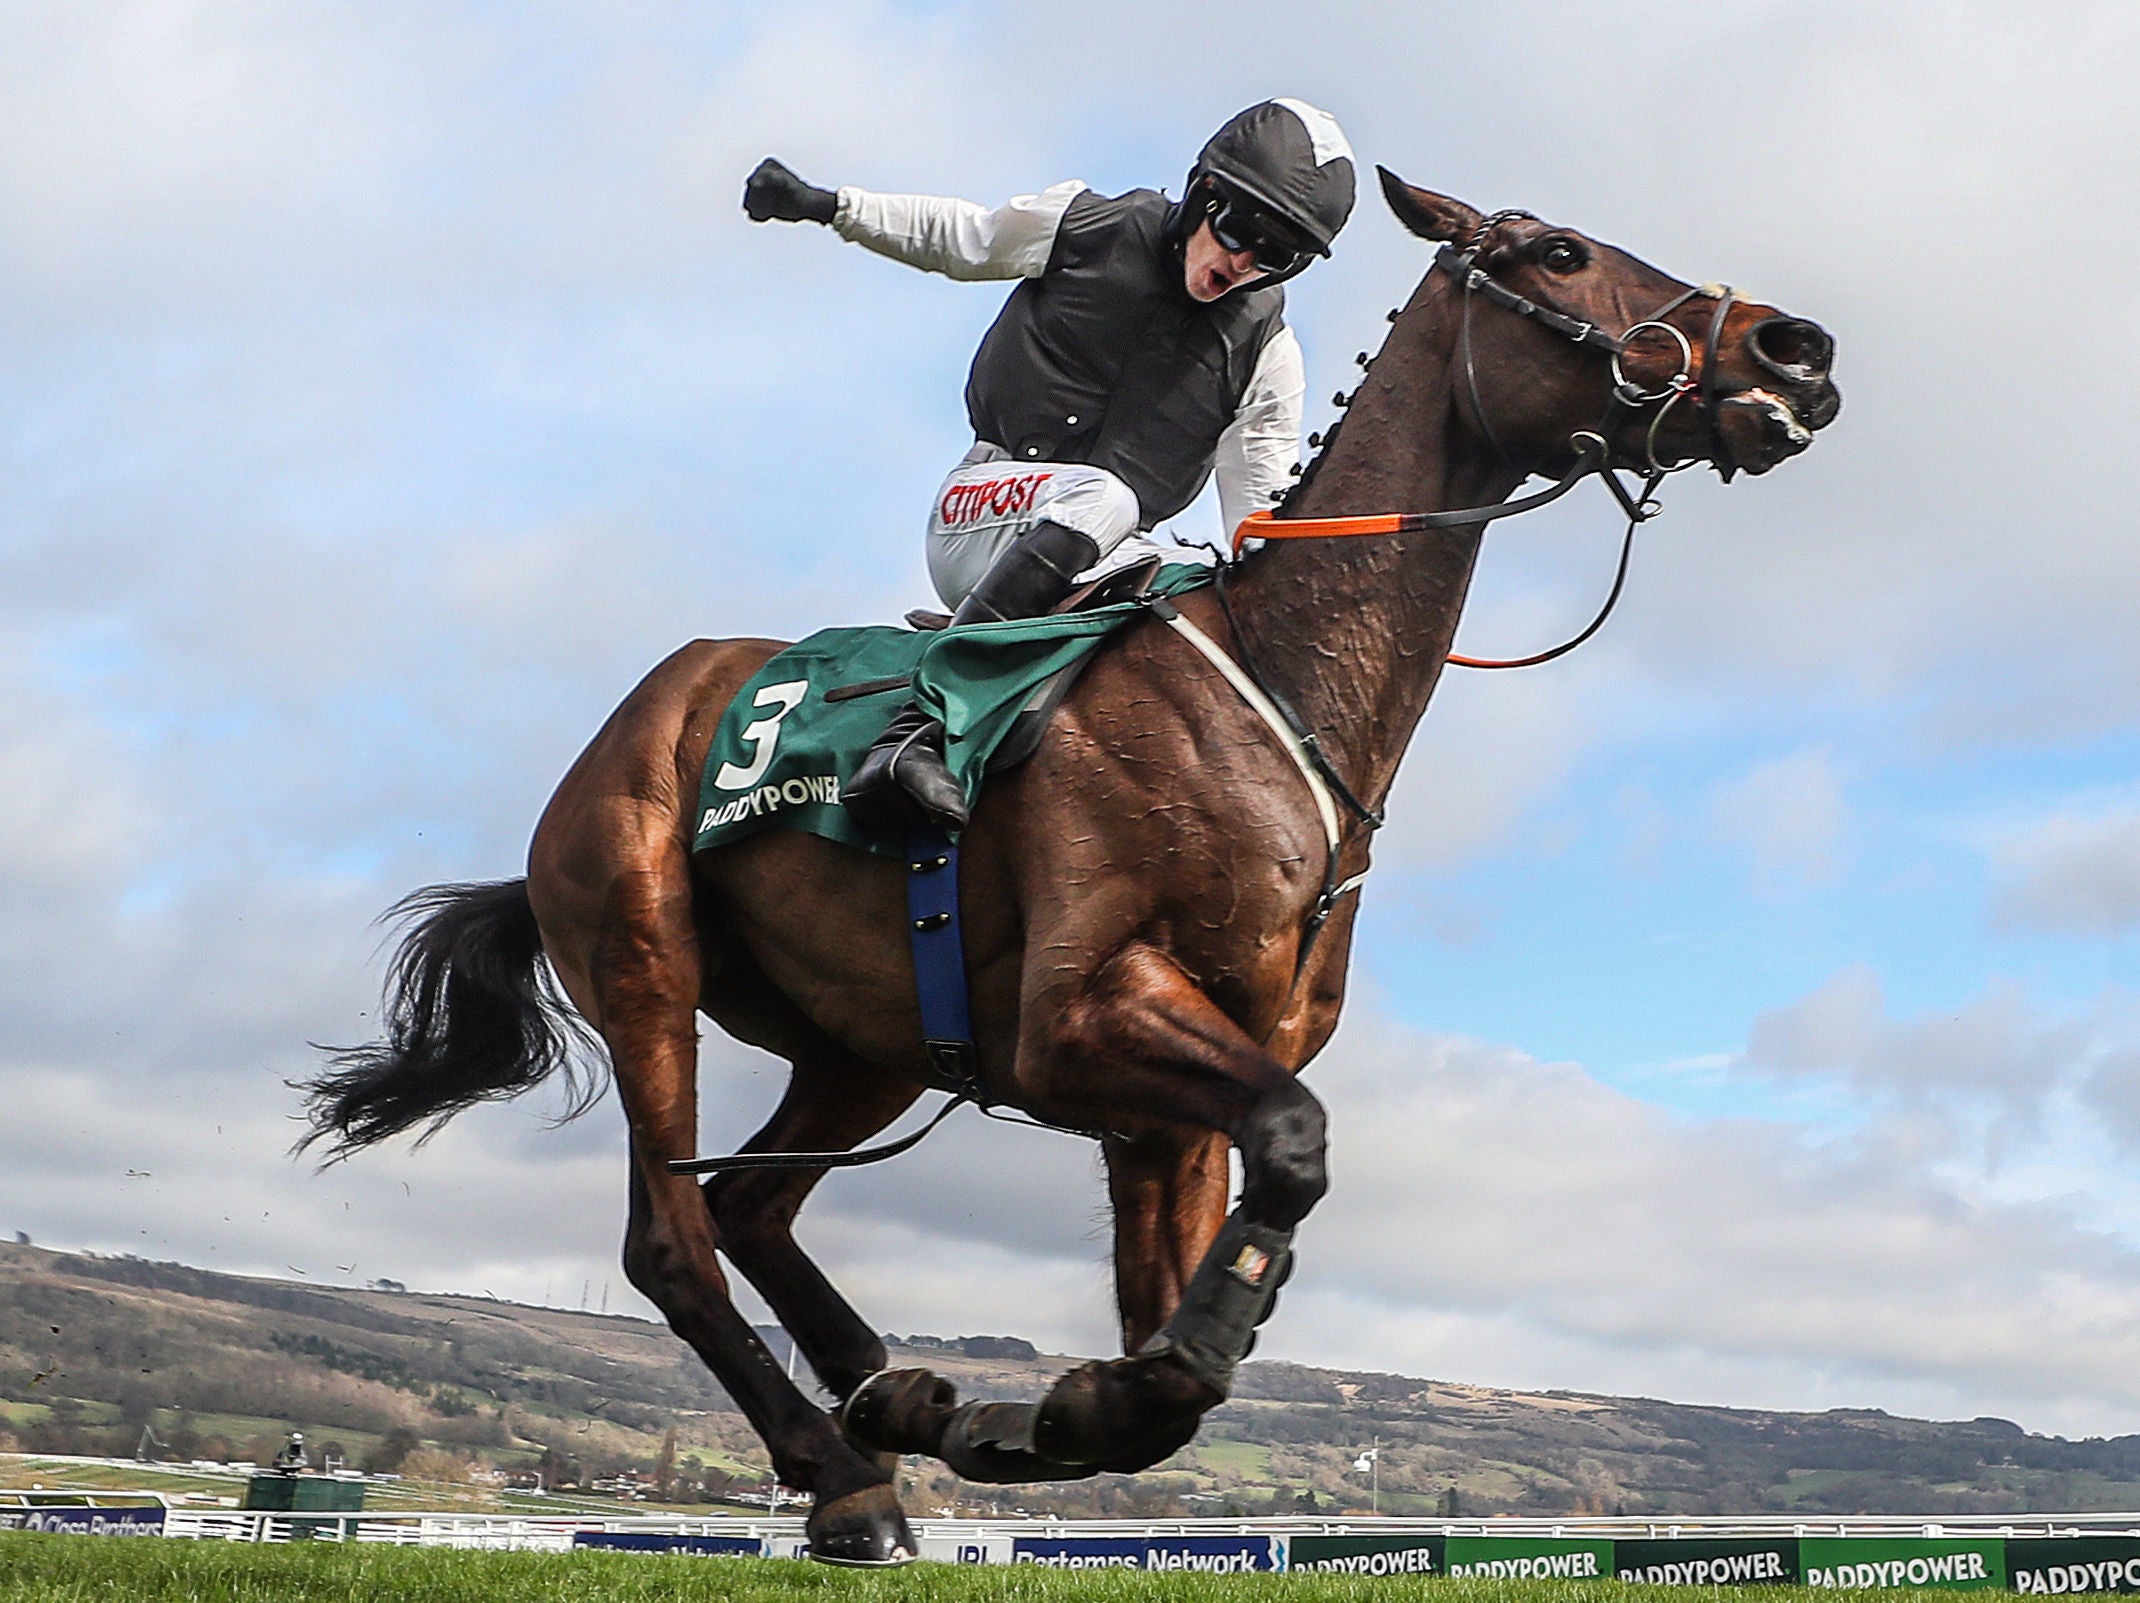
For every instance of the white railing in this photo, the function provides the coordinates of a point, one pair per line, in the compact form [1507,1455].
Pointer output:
[555,1532]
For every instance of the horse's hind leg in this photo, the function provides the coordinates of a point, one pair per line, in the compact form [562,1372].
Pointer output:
[646,980]
[834,1102]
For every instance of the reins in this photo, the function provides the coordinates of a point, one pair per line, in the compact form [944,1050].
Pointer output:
[1591,447]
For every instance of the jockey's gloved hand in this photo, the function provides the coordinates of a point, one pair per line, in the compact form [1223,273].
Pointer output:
[772,192]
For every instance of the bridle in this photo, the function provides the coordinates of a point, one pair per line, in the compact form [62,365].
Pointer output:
[1591,448]
[1592,453]
[1627,396]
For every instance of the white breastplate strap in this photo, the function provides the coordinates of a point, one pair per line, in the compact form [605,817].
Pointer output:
[1252,693]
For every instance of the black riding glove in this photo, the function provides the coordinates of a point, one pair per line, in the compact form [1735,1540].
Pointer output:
[772,191]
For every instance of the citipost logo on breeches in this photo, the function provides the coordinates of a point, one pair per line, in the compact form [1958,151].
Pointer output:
[992,498]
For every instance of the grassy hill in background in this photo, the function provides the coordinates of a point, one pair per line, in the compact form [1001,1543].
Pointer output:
[456,1389]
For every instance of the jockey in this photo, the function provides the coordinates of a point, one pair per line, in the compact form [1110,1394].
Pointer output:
[1146,347]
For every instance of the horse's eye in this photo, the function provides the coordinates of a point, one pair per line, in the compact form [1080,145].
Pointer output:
[1563,256]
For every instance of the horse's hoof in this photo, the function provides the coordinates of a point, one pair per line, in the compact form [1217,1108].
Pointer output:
[900,1411]
[863,1530]
[1122,1414]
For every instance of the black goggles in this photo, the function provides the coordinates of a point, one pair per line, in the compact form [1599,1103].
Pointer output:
[1237,228]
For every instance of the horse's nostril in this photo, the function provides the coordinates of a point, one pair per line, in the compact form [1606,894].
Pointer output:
[1791,348]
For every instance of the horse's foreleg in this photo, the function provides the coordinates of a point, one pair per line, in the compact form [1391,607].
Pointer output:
[647,978]
[1168,1189]
[1143,1044]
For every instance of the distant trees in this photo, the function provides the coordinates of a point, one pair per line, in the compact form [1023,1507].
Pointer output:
[391,1452]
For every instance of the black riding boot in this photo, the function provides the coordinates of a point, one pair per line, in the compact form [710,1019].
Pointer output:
[1039,569]
[903,777]
[904,773]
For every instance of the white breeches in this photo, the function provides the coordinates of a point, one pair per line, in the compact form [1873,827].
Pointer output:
[990,500]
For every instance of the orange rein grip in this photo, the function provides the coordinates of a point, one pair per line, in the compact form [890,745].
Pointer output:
[1263,526]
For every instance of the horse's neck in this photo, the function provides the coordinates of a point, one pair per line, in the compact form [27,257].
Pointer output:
[1354,630]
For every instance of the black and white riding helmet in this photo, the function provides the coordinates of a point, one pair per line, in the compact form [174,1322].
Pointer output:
[1288,161]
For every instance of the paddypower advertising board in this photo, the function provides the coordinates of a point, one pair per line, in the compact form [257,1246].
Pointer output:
[1708,1561]
[2074,1564]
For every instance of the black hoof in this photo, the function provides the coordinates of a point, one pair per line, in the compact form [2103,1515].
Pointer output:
[900,1411]
[863,1530]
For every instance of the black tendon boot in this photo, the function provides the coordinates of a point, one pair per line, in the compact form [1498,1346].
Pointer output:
[904,773]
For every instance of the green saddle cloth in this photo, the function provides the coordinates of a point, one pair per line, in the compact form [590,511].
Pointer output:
[785,748]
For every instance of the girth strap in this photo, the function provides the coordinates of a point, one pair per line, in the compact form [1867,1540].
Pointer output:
[940,960]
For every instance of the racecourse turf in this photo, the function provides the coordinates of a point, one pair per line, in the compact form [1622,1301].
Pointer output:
[76,1569]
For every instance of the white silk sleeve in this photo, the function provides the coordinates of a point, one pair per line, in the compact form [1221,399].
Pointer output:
[1260,447]
[957,237]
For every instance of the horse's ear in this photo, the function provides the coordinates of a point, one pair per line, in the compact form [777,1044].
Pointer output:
[1425,213]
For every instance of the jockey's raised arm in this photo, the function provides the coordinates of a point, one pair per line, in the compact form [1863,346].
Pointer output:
[957,238]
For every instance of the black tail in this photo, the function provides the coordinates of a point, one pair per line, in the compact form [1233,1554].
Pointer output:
[472,1015]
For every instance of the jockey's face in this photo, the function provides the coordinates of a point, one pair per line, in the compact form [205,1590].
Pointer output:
[1209,269]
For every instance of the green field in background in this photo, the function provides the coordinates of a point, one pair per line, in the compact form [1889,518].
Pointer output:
[21,1471]
[76,1569]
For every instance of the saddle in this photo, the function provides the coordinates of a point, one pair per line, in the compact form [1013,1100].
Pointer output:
[1125,584]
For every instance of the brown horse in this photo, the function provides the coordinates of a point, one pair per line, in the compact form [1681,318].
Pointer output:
[1135,897]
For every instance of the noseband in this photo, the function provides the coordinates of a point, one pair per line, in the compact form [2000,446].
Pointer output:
[1627,396]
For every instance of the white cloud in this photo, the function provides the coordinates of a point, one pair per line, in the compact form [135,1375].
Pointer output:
[1490,746]
[72,813]
[1998,1045]
[1789,814]
[2074,871]
[1498,1219]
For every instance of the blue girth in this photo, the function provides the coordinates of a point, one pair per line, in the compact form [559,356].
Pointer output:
[940,960]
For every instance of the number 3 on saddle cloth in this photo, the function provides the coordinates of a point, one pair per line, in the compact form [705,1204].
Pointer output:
[803,723]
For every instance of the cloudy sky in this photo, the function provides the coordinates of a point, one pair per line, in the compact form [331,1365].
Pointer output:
[1744,1008]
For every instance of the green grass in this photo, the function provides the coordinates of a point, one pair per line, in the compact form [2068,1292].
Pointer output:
[77,1569]
[1248,1460]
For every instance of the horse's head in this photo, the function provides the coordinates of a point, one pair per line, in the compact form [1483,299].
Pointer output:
[1675,374]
